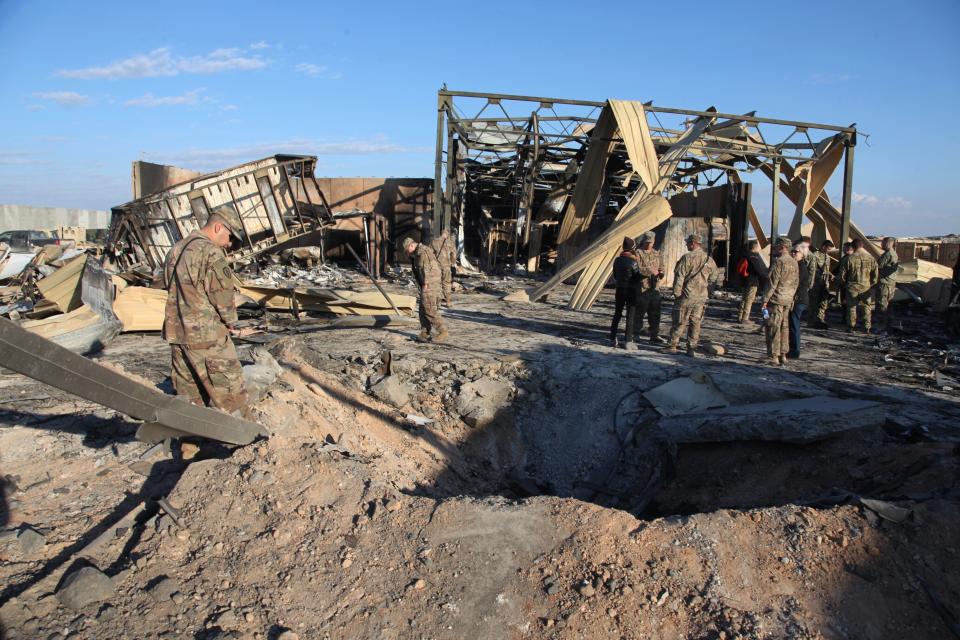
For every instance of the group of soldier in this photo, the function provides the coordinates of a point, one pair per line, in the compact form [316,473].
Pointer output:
[201,316]
[637,274]
[796,279]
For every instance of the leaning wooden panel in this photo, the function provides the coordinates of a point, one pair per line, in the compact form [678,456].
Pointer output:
[587,188]
[47,362]
[632,121]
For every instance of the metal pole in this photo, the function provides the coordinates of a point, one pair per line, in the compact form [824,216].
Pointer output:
[373,280]
[438,162]
[850,143]
[451,178]
[775,205]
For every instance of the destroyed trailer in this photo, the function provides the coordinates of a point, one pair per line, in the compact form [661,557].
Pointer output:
[538,182]
[278,200]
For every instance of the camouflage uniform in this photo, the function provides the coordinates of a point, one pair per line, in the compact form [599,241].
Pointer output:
[819,287]
[887,267]
[859,275]
[691,276]
[648,295]
[199,313]
[446,251]
[784,281]
[427,270]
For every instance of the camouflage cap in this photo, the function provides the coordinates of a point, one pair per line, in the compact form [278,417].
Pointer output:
[407,242]
[648,237]
[783,242]
[694,238]
[230,219]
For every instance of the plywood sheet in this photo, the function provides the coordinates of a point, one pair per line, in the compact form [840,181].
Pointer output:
[140,308]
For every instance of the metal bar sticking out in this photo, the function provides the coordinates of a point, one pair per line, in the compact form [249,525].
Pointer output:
[850,144]
[438,166]
[775,204]
[236,205]
[374,280]
[48,362]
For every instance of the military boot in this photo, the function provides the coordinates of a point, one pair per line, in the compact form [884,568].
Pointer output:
[673,348]
[691,351]
[656,339]
[629,346]
[782,361]
[772,361]
[440,337]
[423,336]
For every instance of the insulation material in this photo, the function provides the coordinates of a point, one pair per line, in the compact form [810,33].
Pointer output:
[632,121]
[62,287]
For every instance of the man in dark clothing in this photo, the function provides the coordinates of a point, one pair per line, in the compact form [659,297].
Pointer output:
[626,272]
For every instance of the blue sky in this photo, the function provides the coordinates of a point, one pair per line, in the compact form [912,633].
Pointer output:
[88,87]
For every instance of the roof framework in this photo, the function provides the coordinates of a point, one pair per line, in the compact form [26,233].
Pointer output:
[523,156]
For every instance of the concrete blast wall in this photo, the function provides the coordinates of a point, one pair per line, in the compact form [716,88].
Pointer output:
[17,216]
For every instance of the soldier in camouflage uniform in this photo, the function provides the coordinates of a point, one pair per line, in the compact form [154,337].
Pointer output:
[201,314]
[446,251]
[691,277]
[778,300]
[648,295]
[887,267]
[427,271]
[859,275]
[820,286]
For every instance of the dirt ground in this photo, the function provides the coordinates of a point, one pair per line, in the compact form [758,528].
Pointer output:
[534,503]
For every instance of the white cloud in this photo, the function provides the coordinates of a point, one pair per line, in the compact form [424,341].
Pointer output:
[212,159]
[19,158]
[829,78]
[263,44]
[317,71]
[893,202]
[63,98]
[162,62]
[188,98]
[228,107]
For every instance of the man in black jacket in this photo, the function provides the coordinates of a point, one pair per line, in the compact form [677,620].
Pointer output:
[626,272]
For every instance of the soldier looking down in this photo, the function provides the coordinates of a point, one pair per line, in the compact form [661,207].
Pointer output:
[426,271]
[648,295]
[779,298]
[446,251]
[201,314]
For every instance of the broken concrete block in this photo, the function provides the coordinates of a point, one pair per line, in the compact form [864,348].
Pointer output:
[84,586]
[164,590]
[31,541]
[686,394]
[480,400]
[391,391]
[797,420]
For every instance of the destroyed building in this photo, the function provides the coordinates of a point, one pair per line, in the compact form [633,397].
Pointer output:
[522,480]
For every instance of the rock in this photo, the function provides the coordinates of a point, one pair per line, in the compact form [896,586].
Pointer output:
[713,348]
[258,377]
[84,586]
[31,541]
[480,400]
[391,391]
[164,590]
[586,589]
[287,634]
[419,584]
[226,620]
